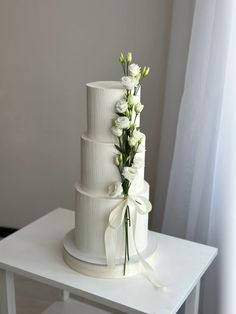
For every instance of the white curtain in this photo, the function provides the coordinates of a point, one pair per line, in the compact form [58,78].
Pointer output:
[201,197]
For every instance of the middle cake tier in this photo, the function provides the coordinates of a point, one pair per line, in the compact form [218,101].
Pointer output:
[98,170]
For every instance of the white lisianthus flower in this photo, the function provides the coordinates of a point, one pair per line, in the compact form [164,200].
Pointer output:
[115,189]
[138,162]
[116,131]
[138,135]
[132,141]
[122,123]
[138,107]
[121,106]
[129,173]
[134,69]
[133,100]
[129,82]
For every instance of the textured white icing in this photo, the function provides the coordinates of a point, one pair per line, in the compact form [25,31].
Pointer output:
[98,170]
[91,219]
[101,100]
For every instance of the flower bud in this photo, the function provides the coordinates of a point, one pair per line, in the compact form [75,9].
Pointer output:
[132,141]
[130,107]
[133,100]
[140,141]
[138,108]
[147,71]
[122,58]
[133,127]
[129,57]
[144,70]
[138,77]
[117,160]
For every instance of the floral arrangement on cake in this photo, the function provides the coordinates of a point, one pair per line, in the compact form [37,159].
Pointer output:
[129,143]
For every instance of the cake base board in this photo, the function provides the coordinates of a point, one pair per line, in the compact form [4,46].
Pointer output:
[96,267]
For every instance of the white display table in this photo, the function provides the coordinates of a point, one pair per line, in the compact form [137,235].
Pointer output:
[36,253]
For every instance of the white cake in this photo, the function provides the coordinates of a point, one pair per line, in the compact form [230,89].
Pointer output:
[111,237]
[93,204]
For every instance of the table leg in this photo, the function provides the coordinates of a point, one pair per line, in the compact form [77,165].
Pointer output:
[7,293]
[192,302]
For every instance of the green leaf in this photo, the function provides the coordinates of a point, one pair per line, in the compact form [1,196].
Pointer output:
[118,148]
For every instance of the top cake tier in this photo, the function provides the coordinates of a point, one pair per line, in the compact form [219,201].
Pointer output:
[101,100]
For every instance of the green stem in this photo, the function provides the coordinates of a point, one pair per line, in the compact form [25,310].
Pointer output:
[135,152]
[119,142]
[127,225]
[135,117]
[128,212]
[124,268]
[127,230]
[123,66]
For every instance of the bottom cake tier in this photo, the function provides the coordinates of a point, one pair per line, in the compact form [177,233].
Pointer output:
[98,268]
[91,220]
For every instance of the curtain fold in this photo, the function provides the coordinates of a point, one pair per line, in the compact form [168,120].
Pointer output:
[181,25]
[200,202]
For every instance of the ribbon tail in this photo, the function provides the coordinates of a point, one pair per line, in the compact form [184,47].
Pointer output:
[148,270]
[110,237]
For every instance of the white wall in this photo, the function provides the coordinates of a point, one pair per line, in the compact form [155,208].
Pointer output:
[49,49]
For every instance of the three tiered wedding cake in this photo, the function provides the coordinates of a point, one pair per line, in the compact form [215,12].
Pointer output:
[111,211]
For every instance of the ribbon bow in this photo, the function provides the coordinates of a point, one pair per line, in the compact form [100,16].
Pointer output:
[142,206]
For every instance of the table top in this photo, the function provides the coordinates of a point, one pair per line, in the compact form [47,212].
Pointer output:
[35,251]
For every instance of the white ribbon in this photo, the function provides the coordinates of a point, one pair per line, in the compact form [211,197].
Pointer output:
[116,218]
